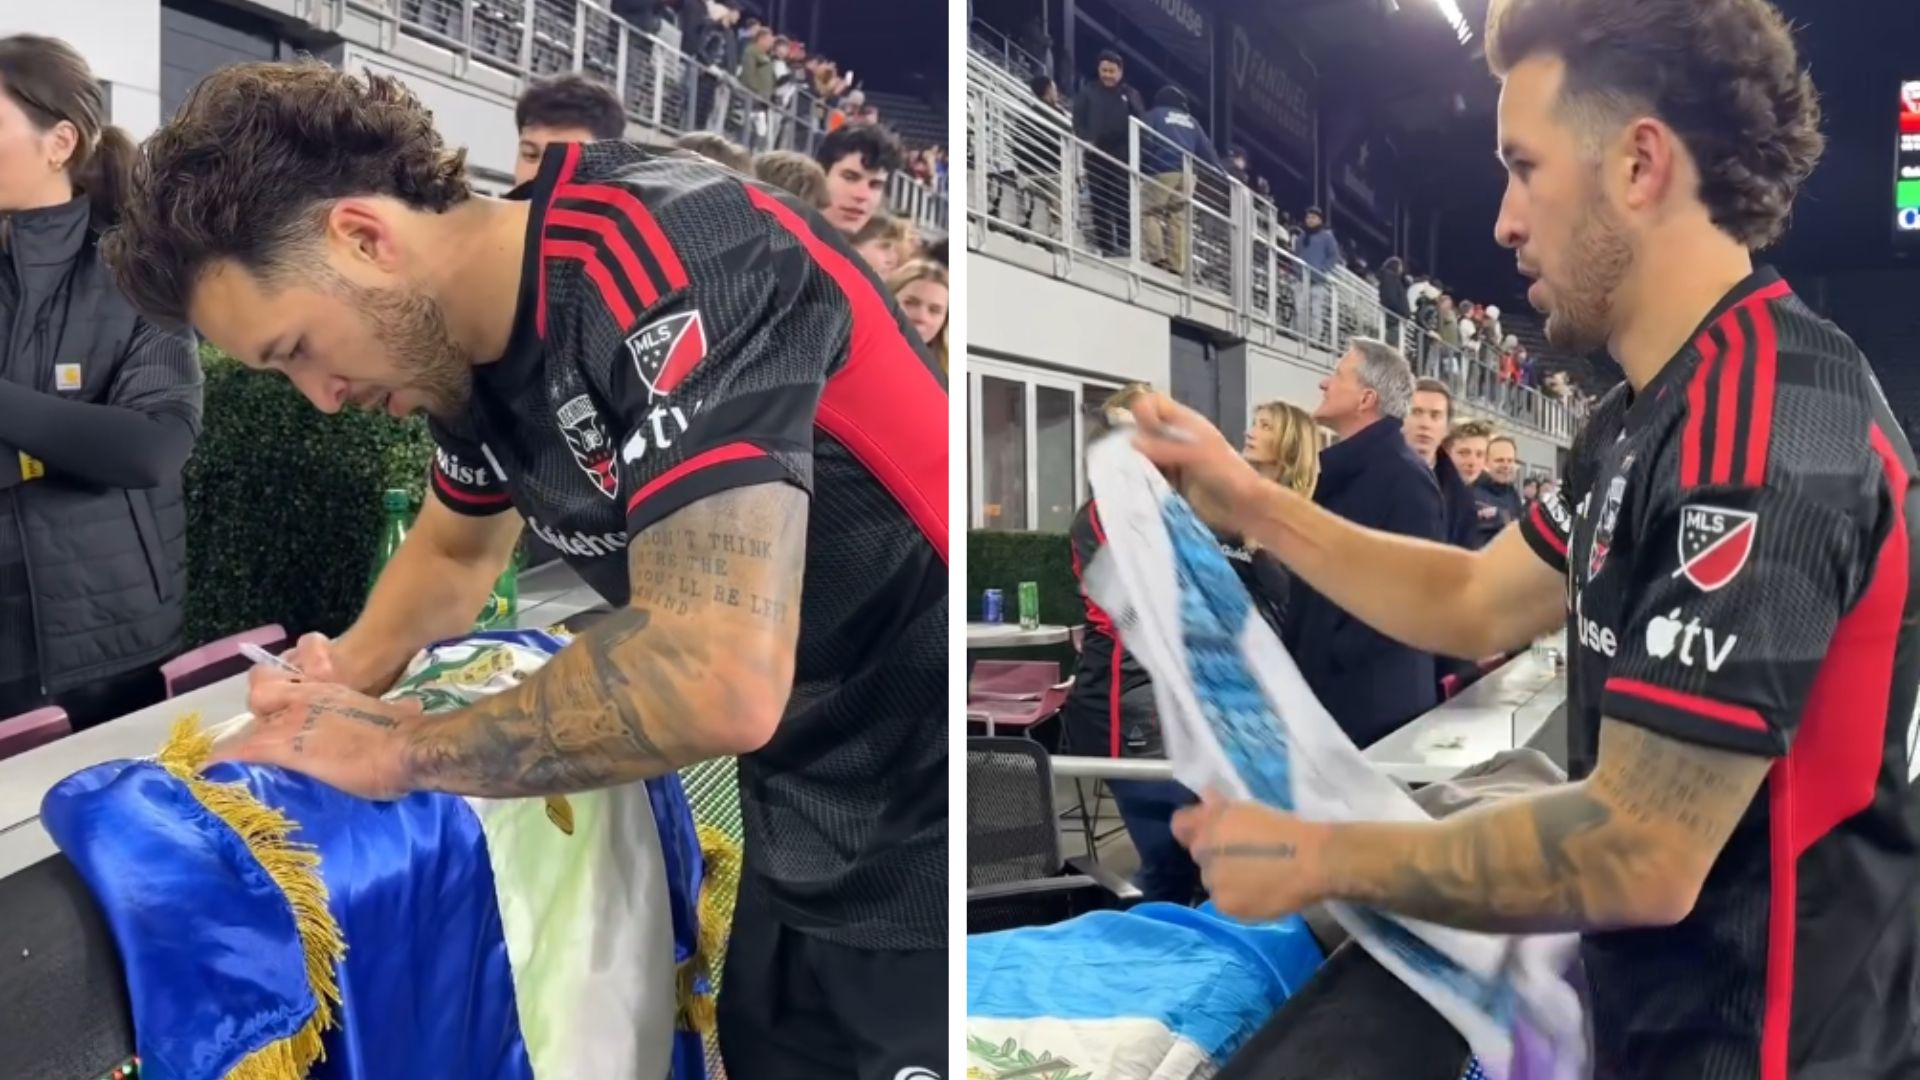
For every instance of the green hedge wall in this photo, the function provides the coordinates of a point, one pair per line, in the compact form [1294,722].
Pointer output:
[283,504]
[1002,560]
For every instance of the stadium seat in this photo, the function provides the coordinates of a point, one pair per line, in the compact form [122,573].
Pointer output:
[22,733]
[217,660]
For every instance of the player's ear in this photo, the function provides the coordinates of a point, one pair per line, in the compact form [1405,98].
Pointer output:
[359,228]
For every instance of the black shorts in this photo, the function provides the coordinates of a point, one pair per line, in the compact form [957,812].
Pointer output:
[794,1007]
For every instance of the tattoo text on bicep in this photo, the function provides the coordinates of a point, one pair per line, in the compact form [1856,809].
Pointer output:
[1656,781]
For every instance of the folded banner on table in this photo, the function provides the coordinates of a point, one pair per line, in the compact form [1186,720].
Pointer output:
[1158,992]
[271,926]
[1239,718]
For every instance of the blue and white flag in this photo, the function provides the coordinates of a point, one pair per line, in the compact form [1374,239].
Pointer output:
[1238,718]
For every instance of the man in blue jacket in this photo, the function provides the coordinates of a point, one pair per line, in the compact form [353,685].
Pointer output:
[1320,250]
[1369,682]
[1173,136]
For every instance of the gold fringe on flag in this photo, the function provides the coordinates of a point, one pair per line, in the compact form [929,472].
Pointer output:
[719,889]
[294,868]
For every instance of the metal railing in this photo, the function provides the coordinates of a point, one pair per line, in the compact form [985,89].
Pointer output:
[1153,210]
[662,87]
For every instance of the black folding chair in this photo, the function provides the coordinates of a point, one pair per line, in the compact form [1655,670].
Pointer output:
[1016,875]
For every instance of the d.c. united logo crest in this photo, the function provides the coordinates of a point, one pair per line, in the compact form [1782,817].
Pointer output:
[667,350]
[592,450]
[1714,544]
[1602,541]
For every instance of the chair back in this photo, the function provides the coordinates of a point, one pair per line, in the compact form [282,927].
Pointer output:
[1013,678]
[1012,834]
[22,733]
[217,660]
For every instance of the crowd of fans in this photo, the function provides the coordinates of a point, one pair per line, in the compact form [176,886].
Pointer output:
[845,179]
[1459,341]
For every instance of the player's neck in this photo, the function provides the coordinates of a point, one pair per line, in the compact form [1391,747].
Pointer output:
[1677,282]
[478,280]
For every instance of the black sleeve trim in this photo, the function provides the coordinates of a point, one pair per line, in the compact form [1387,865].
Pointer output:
[1691,718]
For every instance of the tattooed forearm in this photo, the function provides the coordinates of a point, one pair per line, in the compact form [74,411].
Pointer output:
[1626,847]
[689,670]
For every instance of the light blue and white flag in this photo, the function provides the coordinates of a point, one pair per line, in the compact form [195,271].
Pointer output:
[1238,718]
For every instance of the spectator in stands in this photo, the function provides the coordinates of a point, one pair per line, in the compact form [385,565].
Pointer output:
[1446,323]
[563,109]
[717,148]
[920,287]
[1494,491]
[1421,289]
[884,242]
[858,160]
[1321,252]
[1110,712]
[757,64]
[795,173]
[1238,169]
[1370,683]
[1283,445]
[1528,374]
[1394,295]
[1468,448]
[1103,112]
[1429,416]
[1529,489]
[1175,137]
[99,411]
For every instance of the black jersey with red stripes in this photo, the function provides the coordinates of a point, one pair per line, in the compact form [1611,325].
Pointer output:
[684,331]
[1738,540]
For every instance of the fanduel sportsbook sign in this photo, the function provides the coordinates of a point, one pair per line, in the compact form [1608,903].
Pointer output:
[1270,91]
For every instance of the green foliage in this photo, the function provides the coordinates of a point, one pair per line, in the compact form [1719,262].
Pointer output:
[1002,560]
[283,504]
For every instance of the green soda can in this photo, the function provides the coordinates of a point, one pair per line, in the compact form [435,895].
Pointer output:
[1029,605]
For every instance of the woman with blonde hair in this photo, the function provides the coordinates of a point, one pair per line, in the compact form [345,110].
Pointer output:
[1283,445]
[920,287]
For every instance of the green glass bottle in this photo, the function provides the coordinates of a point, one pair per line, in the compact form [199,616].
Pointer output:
[503,605]
[396,506]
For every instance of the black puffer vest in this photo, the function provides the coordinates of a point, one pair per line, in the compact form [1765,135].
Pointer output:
[105,567]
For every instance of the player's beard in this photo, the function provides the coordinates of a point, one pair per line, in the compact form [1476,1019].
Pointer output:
[1580,313]
[414,327]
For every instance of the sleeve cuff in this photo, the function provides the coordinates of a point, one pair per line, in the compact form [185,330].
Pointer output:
[464,500]
[1549,545]
[723,468]
[1691,718]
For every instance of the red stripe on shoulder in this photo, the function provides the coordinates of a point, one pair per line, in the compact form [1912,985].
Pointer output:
[609,233]
[625,202]
[1545,530]
[569,163]
[1706,708]
[1727,418]
[1691,450]
[1765,363]
[596,270]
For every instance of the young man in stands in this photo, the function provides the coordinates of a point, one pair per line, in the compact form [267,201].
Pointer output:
[1428,417]
[1467,446]
[1497,501]
[563,109]
[1739,842]
[684,384]
[858,158]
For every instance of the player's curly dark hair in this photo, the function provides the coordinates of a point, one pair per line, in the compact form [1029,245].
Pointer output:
[249,166]
[1724,74]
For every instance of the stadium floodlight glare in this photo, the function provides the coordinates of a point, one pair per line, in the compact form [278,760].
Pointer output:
[1450,10]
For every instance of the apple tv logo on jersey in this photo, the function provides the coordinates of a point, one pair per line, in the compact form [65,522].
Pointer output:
[1665,632]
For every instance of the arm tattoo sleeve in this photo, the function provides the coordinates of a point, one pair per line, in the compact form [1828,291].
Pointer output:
[1610,851]
[705,644]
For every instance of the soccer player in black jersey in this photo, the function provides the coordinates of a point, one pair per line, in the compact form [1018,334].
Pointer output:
[1733,559]
[684,382]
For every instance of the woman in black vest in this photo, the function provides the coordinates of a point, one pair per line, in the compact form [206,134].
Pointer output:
[98,412]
